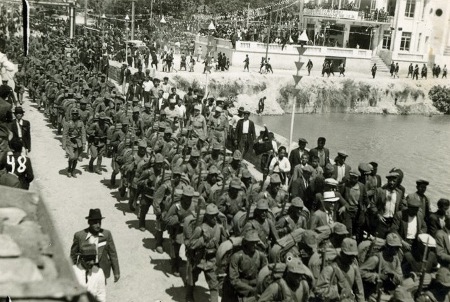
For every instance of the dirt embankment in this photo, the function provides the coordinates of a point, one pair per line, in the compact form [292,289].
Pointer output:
[355,93]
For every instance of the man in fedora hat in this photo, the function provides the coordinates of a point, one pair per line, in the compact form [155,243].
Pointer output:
[245,134]
[88,274]
[21,129]
[102,240]
[296,155]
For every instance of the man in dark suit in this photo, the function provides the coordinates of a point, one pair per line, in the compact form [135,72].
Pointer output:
[443,244]
[409,223]
[245,134]
[437,219]
[21,128]
[295,157]
[102,239]
[301,188]
[387,202]
[421,186]
[355,195]
[321,152]
[341,169]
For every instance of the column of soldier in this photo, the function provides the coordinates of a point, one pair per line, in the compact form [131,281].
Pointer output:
[333,234]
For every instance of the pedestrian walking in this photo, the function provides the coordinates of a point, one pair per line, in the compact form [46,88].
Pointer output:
[102,240]
[309,65]
[416,72]
[444,72]
[397,68]
[21,129]
[342,69]
[410,70]
[374,70]
[261,105]
[246,63]
[89,274]
[245,134]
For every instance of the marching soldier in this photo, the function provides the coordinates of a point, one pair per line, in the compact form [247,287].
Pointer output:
[262,224]
[97,133]
[139,163]
[150,179]
[74,141]
[295,284]
[294,218]
[164,197]
[218,126]
[198,122]
[240,283]
[174,221]
[341,281]
[202,249]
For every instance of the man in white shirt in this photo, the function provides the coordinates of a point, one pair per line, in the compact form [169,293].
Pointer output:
[148,86]
[182,109]
[409,223]
[90,275]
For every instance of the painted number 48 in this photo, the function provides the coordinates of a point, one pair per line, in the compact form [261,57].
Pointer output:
[21,161]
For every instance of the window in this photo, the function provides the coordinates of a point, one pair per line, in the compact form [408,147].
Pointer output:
[405,43]
[387,39]
[410,8]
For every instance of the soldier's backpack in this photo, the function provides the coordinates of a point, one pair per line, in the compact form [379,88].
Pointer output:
[284,244]
[369,248]
[269,274]
[224,252]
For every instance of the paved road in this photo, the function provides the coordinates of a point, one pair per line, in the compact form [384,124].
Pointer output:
[144,273]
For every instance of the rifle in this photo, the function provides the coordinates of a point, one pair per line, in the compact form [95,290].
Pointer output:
[199,176]
[379,281]
[324,260]
[223,168]
[422,270]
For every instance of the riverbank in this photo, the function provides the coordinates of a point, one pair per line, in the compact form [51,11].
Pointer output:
[356,93]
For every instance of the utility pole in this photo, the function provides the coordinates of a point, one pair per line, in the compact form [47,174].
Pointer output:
[85,12]
[268,37]
[132,19]
[248,14]
[151,11]
[300,15]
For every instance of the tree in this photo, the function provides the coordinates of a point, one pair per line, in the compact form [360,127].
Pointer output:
[440,95]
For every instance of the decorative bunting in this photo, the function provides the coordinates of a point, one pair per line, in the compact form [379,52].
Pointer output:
[301,50]
[296,91]
[297,79]
[299,65]
[209,48]
[208,68]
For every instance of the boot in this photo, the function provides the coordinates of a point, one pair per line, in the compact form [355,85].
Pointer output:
[98,170]
[159,241]
[113,180]
[175,267]
[91,165]
[74,165]
[69,169]
[189,293]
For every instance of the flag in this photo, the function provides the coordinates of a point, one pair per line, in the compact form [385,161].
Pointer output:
[26,26]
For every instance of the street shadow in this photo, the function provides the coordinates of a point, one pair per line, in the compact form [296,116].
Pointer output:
[85,168]
[133,224]
[63,172]
[124,208]
[179,293]
[162,265]
[150,244]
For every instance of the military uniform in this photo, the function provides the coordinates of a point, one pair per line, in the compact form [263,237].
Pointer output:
[97,133]
[198,123]
[201,251]
[218,127]
[73,141]
[240,283]
[174,220]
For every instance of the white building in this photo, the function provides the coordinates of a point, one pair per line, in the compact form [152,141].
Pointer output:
[419,33]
